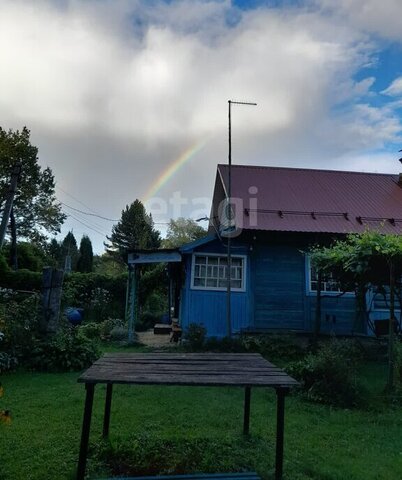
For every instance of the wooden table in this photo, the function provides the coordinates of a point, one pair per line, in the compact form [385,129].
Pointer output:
[188,369]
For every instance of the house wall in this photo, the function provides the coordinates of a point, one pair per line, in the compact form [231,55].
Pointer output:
[208,307]
[277,295]
[282,300]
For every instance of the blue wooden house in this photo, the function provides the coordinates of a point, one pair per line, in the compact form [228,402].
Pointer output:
[278,213]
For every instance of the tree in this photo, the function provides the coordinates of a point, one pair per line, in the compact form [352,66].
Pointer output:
[135,230]
[366,260]
[181,231]
[86,256]
[36,209]
[54,254]
[106,264]
[69,249]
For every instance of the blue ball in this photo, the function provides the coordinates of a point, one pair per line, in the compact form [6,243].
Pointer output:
[74,316]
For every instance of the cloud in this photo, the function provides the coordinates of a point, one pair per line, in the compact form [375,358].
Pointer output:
[380,17]
[114,91]
[395,89]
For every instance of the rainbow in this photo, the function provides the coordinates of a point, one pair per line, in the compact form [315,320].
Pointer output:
[173,167]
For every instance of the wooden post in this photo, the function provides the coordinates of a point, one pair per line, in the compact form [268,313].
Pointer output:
[51,299]
[390,385]
[86,426]
[317,326]
[108,404]
[246,420]
[280,428]
[132,303]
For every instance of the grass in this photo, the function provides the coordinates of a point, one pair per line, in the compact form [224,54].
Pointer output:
[201,425]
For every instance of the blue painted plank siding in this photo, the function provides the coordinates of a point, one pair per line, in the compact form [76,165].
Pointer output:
[208,307]
[279,287]
[282,299]
[338,315]
[276,296]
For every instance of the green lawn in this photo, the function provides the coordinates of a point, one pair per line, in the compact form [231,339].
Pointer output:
[320,442]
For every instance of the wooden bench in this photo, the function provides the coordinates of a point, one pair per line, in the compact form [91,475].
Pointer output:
[199,476]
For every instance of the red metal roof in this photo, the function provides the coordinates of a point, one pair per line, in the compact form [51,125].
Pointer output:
[303,200]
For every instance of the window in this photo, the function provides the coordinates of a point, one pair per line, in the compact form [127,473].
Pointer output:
[328,284]
[210,272]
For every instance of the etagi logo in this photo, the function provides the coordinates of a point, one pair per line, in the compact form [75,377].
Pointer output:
[229,218]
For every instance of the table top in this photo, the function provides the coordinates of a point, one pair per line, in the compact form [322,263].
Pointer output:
[191,369]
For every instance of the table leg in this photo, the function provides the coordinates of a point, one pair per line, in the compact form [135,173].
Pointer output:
[108,404]
[246,420]
[86,425]
[280,427]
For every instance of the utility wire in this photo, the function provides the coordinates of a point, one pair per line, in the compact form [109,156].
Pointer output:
[87,213]
[76,199]
[94,214]
[87,226]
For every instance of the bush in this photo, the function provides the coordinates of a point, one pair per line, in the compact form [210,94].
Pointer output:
[146,321]
[329,375]
[7,362]
[18,322]
[65,351]
[108,325]
[90,330]
[146,455]
[119,333]
[195,336]
[274,346]
[398,368]
[225,344]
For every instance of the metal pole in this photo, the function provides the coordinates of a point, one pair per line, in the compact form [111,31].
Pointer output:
[229,214]
[9,202]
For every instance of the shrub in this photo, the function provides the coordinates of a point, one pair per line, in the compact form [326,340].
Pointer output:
[146,321]
[7,362]
[329,375]
[18,322]
[90,330]
[274,346]
[65,351]
[398,369]
[119,333]
[108,325]
[146,455]
[195,336]
[225,344]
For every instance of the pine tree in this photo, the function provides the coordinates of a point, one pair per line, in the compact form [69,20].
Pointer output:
[69,249]
[86,256]
[135,230]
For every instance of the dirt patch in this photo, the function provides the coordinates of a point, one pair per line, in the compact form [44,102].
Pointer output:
[149,339]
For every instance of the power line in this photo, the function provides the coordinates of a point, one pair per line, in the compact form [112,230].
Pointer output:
[87,213]
[75,198]
[87,226]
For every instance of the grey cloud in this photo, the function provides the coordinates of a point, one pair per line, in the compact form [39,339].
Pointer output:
[114,91]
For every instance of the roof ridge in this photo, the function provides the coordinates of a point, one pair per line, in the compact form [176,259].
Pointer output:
[271,167]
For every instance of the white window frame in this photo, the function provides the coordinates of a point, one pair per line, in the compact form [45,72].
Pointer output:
[220,289]
[310,291]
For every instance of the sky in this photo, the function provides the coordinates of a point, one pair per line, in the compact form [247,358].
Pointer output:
[128,99]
